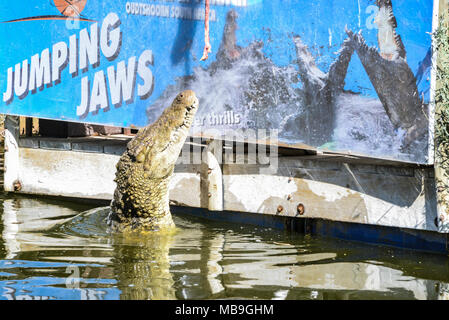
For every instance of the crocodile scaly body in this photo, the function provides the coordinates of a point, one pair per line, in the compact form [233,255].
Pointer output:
[391,76]
[141,198]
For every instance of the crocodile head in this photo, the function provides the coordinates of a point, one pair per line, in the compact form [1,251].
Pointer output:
[392,77]
[390,43]
[141,198]
[159,145]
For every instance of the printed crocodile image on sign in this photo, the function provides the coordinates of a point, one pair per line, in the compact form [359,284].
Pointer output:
[347,76]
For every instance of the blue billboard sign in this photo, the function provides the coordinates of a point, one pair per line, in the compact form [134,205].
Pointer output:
[342,75]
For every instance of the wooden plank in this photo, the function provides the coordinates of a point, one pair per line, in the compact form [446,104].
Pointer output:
[35,126]
[127,131]
[306,154]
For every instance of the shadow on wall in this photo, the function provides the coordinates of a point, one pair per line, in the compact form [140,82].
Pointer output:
[184,41]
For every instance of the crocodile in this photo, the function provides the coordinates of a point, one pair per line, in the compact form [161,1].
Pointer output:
[144,170]
[264,94]
[320,92]
[391,76]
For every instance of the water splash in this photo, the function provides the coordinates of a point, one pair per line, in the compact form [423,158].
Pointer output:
[305,104]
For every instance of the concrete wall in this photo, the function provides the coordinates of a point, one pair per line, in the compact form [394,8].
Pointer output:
[334,188]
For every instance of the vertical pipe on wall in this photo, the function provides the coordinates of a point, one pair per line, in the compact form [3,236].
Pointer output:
[12,132]
[212,177]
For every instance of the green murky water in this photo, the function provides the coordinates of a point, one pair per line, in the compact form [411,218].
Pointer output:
[56,250]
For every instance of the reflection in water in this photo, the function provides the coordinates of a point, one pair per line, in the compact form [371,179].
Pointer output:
[52,250]
[142,265]
[24,220]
